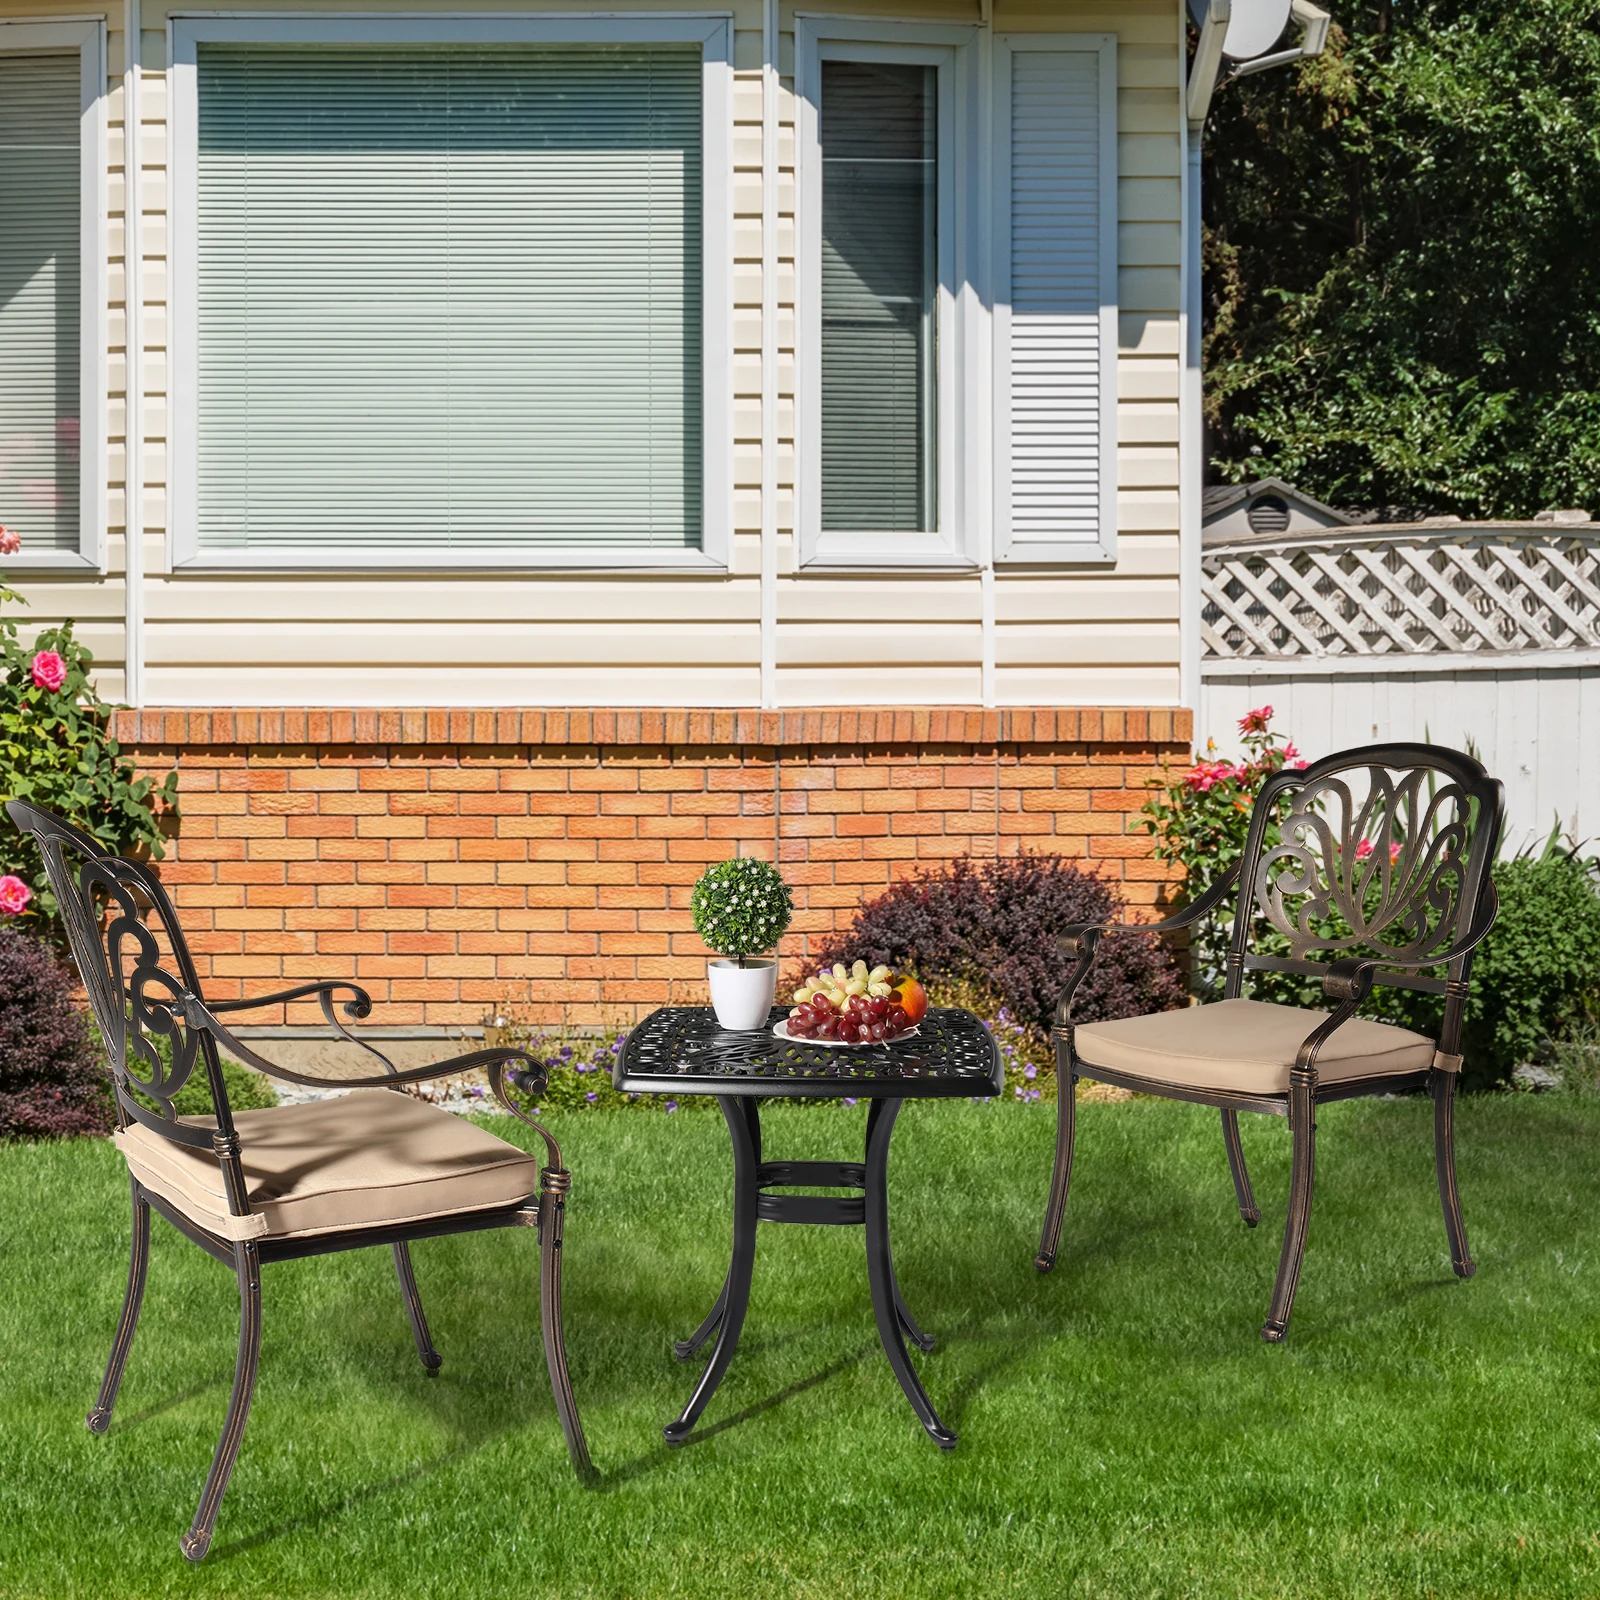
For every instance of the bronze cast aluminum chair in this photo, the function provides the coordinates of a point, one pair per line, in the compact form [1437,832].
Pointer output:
[367,1168]
[1384,851]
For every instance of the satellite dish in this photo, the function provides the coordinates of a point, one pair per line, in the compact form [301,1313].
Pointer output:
[1254,26]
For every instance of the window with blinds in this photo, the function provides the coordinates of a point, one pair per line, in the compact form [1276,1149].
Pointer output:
[877,125]
[449,296]
[40,296]
[1055,367]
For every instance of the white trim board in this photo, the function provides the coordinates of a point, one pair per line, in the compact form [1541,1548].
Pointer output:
[713,31]
[86,36]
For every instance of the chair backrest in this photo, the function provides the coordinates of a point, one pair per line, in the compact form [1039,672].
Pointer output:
[135,965]
[1384,851]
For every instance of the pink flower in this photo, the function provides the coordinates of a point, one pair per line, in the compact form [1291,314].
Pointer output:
[14,895]
[1204,775]
[49,670]
[10,541]
[1255,721]
[1363,850]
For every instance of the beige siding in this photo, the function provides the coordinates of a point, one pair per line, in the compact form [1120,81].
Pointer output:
[1069,637]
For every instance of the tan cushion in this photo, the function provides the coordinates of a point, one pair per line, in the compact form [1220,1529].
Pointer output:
[1246,1047]
[359,1161]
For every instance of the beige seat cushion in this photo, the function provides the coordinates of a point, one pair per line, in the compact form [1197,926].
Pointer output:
[359,1161]
[1245,1047]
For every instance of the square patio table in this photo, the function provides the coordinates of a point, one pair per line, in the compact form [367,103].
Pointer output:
[682,1050]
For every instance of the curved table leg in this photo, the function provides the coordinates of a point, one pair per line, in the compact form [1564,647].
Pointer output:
[684,1348]
[744,1128]
[887,1305]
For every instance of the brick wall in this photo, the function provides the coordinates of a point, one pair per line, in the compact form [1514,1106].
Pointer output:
[452,860]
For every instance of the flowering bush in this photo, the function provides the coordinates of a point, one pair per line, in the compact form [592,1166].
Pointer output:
[741,907]
[579,1067]
[1200,819]
[56,751]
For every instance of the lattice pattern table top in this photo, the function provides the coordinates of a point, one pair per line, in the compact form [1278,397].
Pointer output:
[682,1050]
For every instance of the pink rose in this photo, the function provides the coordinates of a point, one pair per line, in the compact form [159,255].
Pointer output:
[49,670]
[14,895]
[1255,721]
[1363,850]
[10,541]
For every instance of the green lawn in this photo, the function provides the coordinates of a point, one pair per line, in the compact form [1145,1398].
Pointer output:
[1124,1430]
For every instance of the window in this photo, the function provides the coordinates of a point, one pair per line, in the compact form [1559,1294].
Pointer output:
[1055,333]
[51,320]
[457,297]
[879,297]
[883,431]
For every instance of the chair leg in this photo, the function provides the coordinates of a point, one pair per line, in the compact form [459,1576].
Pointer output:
[1248,1209]
[247,1263]
[1303,1139]
[100,1418]
[1444,1155]
[431,1359]
[553,1187]
[1061,1176]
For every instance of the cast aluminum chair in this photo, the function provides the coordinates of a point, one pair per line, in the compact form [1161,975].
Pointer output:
[1378,857]
[367,1168]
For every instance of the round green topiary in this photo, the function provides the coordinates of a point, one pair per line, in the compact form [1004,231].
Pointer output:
[741,907]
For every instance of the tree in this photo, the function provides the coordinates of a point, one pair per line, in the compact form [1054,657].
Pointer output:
[1402,262]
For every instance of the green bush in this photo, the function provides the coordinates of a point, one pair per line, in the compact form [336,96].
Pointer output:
[741,907]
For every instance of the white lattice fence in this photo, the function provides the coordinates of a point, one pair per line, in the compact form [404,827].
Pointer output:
[1424,592]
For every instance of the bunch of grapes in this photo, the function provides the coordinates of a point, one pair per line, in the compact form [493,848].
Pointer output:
[857,1006]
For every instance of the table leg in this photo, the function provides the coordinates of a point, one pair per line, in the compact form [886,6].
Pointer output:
[744,1128]
[684,1348]
[887,1305]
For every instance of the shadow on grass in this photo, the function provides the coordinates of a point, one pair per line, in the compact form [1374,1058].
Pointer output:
[122,1424]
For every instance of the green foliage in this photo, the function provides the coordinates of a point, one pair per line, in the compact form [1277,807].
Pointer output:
[741,907]
[579,1067]
[1536,978]
[1402,281]
[248,1090]
[56,751]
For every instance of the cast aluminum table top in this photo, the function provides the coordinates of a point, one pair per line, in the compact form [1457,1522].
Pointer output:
[681,1050]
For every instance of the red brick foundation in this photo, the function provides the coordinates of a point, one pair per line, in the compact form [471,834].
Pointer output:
[450,861]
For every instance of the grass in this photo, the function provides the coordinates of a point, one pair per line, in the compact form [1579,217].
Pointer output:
[1124,1431]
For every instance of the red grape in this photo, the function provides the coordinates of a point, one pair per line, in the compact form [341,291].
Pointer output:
[849,1030]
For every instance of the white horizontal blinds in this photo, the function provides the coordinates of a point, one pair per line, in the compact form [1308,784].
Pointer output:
[1054,316]
[879,288]
[449,296]
[40,223]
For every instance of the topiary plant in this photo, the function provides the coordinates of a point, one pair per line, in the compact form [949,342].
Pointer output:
[51,1083]
[741,907]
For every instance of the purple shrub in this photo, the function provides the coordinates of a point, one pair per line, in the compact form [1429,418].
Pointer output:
[995,924]
[51,1084]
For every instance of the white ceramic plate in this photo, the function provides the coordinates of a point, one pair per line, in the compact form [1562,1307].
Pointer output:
[780,1030]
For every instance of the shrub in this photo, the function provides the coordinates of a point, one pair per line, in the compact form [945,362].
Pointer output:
[56,751]
[51,1083]
[995,925]
[579,1067]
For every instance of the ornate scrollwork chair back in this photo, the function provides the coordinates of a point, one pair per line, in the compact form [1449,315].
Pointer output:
[253,1186]
[1367,868]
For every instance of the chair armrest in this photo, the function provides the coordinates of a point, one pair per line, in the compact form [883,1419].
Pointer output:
[359,1007]
[1071,939]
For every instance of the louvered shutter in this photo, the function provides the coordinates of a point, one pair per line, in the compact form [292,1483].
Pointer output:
[40,223]
[449,296]
[1056,313]
[879,283]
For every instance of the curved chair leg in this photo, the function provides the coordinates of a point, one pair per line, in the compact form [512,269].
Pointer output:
[1303,1138]
[553,1187]
[1248,1209]
[247,1263]
[1444,1155]
[1061,1176]
[431,1359]
[100,1418]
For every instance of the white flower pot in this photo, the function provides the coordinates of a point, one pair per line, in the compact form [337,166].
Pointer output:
[742,996]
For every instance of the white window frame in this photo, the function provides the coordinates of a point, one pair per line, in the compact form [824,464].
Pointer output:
[86,36]
[712,31]
[953,50]
[1101,551]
